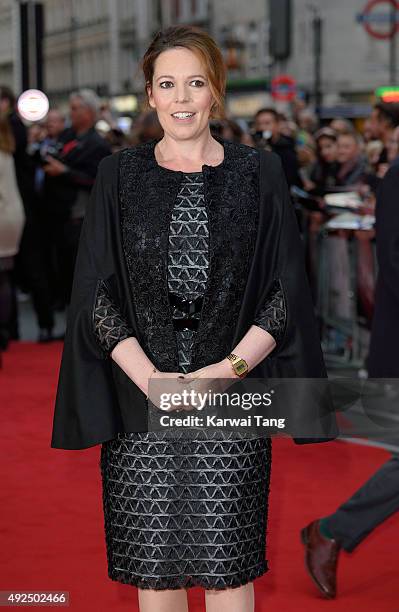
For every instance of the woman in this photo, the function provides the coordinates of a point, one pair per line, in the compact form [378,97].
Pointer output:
[232,130]
[12,218]
[318,179]
[323,176]
[180,271]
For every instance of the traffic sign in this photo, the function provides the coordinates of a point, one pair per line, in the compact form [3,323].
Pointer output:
[284,88]
[380,18]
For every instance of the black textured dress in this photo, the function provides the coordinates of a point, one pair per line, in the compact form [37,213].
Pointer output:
[192,510]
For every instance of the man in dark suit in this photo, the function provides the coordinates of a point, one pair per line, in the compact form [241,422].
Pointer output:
[378,498]
[70,176]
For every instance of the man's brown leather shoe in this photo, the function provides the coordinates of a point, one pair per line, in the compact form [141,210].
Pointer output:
[321,558]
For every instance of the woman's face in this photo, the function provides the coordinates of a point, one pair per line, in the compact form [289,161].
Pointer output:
[328,150]
[180,84]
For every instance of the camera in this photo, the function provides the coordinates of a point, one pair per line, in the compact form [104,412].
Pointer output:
[40,151]
[262,137]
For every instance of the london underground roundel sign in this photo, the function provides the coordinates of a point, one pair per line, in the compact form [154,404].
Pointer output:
[284,88]
[380,18]
[33,105]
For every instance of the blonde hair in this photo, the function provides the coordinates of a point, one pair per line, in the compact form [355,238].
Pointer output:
[200,42]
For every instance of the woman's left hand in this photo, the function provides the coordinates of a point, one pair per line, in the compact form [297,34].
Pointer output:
[214,378]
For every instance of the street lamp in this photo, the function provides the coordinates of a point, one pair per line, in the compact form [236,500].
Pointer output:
[73,26]
[392,46]
[30,17]
[317,26]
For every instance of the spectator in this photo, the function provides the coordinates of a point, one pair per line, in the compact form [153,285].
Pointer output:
[55,124]
[11,224]
[51,131]
[352,163]
[36,133]
[231,130]
[45,260]
[20,275]
[393,148]
[306,159]
[342,126]
[70,175]
[392,154]
[367,131]
[307,121]
[116,139]
[267,134]
[323,175]
[297,106]
[383,120]
[373,152]
[146,127]
[22,165]
[247,139]
[354,171]
[287,128]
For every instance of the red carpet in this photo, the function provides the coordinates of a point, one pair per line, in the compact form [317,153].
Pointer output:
[52,523]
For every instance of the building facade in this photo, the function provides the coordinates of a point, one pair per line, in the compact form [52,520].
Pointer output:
[99,44]
[96,43]
[9,44]
[354,62]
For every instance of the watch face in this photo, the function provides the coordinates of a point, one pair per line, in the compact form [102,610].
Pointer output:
[241,367]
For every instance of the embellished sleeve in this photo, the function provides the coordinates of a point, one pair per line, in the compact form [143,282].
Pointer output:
[272,316]
[110,327]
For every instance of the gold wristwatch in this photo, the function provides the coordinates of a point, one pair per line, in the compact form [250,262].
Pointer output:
[239,365]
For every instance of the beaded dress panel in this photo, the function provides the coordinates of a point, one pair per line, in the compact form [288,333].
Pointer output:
[185,511]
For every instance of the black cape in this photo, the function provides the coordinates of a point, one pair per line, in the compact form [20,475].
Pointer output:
[254,240]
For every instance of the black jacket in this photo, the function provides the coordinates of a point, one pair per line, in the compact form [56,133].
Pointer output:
[24,170]
[254,241]
[81,154]
[383,360]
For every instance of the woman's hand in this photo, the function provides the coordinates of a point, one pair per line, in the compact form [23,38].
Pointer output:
[221,369]
[168,383]
[214,378]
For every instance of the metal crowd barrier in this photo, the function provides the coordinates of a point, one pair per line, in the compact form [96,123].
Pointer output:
[335,281]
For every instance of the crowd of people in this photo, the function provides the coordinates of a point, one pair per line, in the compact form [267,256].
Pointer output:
[44,192]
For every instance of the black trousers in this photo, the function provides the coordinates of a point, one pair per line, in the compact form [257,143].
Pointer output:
[374,502]
[46,262]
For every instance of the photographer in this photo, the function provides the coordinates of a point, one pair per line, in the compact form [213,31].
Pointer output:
[44,257]
[70,175]
[267,135]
